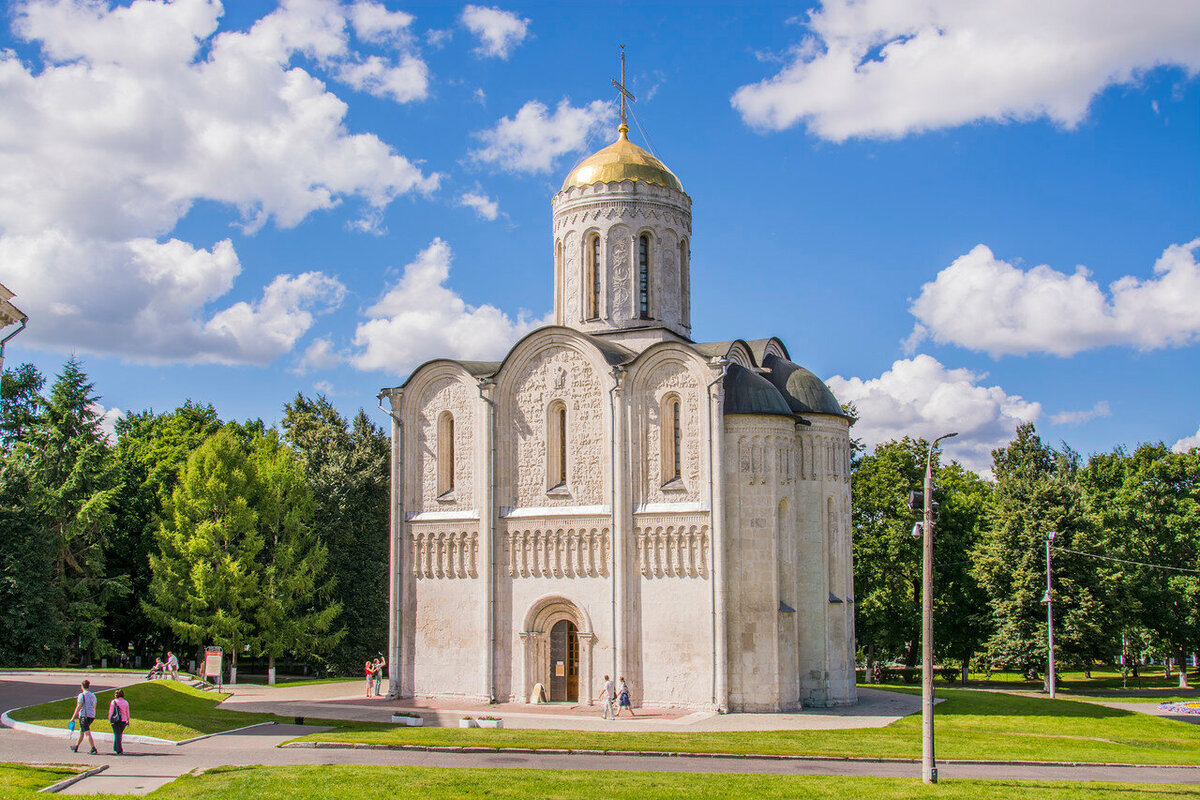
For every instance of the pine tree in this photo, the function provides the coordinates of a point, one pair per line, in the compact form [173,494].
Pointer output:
[294,613]
[207,574]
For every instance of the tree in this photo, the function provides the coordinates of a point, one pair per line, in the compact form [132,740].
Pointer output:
[151,451]
[293,613]
[21,404]
[347,469]
[1149,506]
[206,575]
[71,481]
[887,562]
[1036,492]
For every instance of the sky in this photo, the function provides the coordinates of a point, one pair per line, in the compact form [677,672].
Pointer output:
[962,215]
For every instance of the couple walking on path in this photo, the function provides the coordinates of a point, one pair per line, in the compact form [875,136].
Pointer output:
[85,713]
[613,693]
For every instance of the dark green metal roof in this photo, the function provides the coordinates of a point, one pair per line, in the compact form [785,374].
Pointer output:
[747,392]
[803,391]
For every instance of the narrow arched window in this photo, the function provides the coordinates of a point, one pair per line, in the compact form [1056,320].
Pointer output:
[445,454]
[644,276]
[671,434]
[556,446]
[593,277]
[685,283]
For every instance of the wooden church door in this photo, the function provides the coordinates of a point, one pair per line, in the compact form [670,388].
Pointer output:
[564,662]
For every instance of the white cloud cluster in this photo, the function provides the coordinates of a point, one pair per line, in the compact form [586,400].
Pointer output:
[484,206]
[108,421]
[134,113]
[420,318]
[499,31]
[1187,443]
[535,139]
[983,303]
[1101,409]
[921,397]
[888,68]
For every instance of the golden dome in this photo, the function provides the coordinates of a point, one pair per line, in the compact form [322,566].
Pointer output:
[622,161]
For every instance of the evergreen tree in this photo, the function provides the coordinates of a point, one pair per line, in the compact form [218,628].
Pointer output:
[347,470]
[151,451]
[294,613]
[71,480]
[206,575]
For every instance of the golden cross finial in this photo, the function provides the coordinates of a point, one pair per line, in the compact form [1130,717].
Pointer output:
[625,93]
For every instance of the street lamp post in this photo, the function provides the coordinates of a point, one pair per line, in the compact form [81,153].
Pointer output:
[928,767]
[1049,601]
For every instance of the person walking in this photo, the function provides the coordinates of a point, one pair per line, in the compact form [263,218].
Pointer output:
[380,663]
[624,701]
[608,694]
[118,717]
[172,666]
[369,671]
[85,712]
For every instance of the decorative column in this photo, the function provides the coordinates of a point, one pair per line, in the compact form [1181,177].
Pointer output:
[717,506]
[622,521]
[396,615]
[486,468]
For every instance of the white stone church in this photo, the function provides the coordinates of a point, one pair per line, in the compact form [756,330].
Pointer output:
[615,498]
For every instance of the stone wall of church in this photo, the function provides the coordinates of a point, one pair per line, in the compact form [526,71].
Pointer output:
[446,590]
[755,470]
[649,390]
[449,392]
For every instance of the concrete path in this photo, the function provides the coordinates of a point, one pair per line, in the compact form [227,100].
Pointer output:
[148,767]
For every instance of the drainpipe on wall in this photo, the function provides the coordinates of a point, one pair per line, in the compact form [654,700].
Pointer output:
[487,532]
[716,510]
[4,341]
[617,524]
[395,551]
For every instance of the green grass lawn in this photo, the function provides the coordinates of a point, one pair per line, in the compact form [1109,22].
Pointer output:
[969,724]
[391,783]
[166,709]
[21,780]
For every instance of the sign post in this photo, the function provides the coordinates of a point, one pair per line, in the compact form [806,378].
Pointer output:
[213,667]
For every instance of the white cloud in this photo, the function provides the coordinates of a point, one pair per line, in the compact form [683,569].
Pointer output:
[484,206]
[983,303]
[888,68]
[420,318]
[144,300]
[1101,409]
[406,80]
[324,387]
[132,114]
[320,354]
[374,23]
[499,31]
[534,140]
[107,417]
[1187,443]
[921,397]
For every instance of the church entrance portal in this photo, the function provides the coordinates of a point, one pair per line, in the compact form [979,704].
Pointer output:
[564,662]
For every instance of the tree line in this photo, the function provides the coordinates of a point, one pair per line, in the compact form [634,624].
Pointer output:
[187,530]
[1125,556]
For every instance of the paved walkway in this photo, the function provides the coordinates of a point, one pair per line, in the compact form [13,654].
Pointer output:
[148,767]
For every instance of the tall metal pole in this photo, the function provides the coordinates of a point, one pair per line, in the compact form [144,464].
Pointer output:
[928,764]
[1049,599]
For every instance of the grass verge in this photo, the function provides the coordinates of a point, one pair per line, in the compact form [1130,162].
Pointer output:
[166,709]
[969,724]
[20,779]
[302,783]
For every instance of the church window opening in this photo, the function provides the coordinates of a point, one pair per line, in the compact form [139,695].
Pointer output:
[445,454]
[685,283]
[644,276]
[593,277]
[671,432]
[556,446]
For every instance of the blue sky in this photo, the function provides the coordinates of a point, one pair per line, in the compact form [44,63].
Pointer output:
[961,215]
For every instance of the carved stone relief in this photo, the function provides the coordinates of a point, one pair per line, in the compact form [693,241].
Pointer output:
[670,377]
[444,554]
[672,551]
[447,394]
[586,412]
[619,277]
[570,552]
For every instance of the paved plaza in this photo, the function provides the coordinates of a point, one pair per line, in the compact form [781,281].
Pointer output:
[147,767]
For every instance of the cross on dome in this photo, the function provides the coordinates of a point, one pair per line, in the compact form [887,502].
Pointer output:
[624,93]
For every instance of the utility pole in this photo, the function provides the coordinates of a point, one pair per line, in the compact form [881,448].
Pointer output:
[1049,601]
[928,764]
